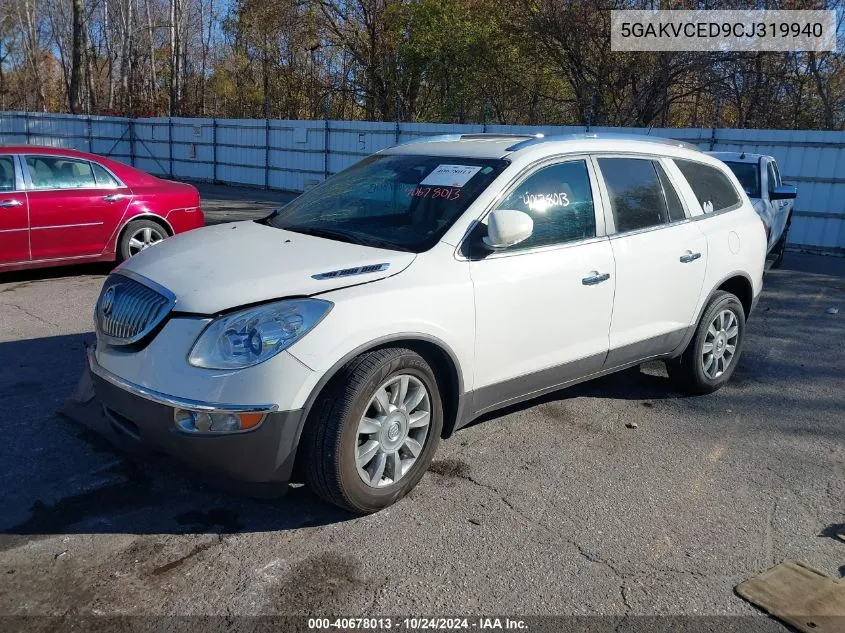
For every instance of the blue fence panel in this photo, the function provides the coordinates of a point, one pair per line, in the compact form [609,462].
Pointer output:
[296,155]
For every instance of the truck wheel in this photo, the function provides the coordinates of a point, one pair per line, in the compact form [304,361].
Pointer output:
[780,247]
[713,353]
[372,434]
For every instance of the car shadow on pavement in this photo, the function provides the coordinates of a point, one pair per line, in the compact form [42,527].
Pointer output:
[56,272]
[60,477]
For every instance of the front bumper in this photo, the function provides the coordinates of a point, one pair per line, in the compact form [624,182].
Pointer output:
[258,462]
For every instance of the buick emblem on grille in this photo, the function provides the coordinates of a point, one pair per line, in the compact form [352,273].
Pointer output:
[130,308]
[107,304]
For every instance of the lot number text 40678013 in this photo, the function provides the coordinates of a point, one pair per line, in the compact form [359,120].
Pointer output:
[418,624]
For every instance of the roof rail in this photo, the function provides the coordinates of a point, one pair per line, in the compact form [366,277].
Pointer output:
[603,135]
[477,136]
[495,135]
[436,138]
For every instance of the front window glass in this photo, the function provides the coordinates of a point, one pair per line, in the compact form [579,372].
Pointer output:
[748,175]
[7,173]
[52,172]
[399,202]
[559,200]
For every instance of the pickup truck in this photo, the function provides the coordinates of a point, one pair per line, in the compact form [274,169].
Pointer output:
[773,200]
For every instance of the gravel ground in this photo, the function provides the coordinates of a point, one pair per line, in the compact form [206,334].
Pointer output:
[554,506]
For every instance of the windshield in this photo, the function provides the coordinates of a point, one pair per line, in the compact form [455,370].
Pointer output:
[399,202]
[748,175]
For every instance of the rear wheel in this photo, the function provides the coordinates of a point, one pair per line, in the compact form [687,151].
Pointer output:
[712,355]
[372,435]
[138,236]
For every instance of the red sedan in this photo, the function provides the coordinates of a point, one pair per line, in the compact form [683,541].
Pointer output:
[62,206]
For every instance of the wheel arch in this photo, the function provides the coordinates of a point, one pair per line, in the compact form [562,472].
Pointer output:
[737,283]
[436,352]
[740,285]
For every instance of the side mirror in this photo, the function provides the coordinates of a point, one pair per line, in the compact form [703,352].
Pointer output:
[784,192]
[506,228]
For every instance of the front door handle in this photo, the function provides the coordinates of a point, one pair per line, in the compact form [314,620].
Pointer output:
[113,197]
[10,203]
[595,278]
[689,256]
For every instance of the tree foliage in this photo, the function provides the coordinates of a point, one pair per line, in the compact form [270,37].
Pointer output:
[496,61]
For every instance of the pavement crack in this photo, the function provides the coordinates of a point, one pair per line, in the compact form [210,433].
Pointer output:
[623,591]
[768,538]
[32,314]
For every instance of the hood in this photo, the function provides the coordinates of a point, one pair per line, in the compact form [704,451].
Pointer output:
[217,268]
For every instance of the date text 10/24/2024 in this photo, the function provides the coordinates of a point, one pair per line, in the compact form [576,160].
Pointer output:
[418,624]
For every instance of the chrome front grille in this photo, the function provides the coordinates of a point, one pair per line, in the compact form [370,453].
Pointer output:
[128,309]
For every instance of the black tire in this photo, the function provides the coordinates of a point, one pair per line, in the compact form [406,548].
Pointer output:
[124,250]
[688,371]
[330,437]
[780,248]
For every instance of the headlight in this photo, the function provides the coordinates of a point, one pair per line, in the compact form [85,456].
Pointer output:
[251,336]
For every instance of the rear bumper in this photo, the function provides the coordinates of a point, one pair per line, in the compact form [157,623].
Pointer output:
[257,462]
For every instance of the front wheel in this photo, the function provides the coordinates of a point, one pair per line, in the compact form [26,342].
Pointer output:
[373,434]
[712,355]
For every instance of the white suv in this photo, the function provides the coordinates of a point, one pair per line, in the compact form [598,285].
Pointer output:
[340,338]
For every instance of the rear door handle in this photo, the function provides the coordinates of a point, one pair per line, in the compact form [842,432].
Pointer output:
[10,203]
[595,278]
[689,256]
[113,197]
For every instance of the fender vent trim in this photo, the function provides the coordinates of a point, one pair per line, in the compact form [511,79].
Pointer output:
[349,272]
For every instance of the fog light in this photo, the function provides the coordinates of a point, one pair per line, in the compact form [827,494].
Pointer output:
[215,421]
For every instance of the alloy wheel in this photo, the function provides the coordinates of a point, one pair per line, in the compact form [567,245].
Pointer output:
[720,344]
[143,238]
[393,430]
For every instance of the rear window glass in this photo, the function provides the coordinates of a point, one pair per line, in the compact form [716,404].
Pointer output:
[711,187]
[103,177]
[636,195]
[748,175]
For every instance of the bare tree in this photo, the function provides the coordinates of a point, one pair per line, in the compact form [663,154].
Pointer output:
[75,88]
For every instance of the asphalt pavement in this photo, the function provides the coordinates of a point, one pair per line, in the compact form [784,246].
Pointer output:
[551,507]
